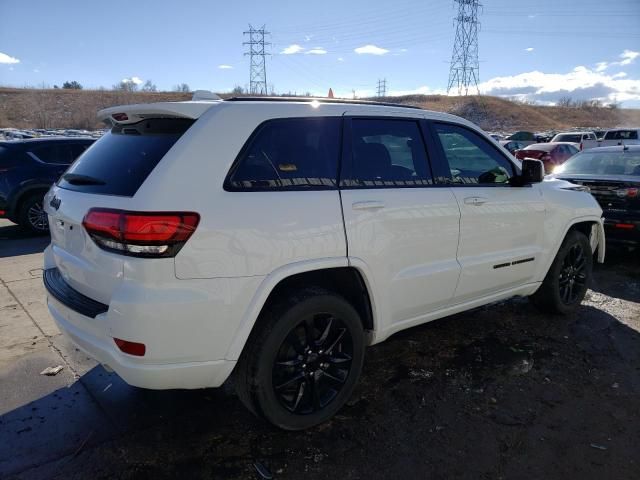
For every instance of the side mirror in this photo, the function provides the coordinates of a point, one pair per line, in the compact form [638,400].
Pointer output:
[532,171]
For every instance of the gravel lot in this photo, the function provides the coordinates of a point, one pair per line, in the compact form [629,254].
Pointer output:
[499,392]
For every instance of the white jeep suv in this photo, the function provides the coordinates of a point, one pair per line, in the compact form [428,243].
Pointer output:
[277,238]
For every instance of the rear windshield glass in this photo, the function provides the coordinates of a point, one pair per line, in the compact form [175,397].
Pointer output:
[123,158]
[603,163]
[575,138]
[621,135]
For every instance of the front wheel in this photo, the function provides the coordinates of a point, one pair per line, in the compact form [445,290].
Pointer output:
[302,362]
[567,281]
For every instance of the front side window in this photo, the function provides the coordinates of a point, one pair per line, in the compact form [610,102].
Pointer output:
[292,153]
[386,153]
[472,159]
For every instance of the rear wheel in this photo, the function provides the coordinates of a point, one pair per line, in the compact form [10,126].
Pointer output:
[301,364]
[32,215]
[568,279]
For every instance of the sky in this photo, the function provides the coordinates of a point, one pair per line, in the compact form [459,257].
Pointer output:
[539,51]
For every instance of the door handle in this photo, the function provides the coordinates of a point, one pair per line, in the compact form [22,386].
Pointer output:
[367,205]
[475,200]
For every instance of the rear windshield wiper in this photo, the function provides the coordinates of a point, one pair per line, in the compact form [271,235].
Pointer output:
[77,179]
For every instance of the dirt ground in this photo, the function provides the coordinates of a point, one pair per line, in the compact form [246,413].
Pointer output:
[501,392]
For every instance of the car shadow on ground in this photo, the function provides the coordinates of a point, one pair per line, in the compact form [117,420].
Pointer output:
[499,392]
[619,276]
[15,240]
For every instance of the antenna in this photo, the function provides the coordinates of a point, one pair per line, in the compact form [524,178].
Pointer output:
[257,64]
[464,71]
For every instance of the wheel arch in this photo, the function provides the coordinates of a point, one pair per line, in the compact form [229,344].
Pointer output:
[583,225]
[335,275]
[23,193]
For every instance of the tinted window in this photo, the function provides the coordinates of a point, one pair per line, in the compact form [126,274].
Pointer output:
[621,135]
[567,138]
[120,161]
[58,154]
[387,153]
[472,159]
[298,153]
[602,163]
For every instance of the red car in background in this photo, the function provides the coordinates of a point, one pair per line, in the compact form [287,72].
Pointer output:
[551,154]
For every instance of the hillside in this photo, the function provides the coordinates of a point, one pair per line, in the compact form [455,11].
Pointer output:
[29,108]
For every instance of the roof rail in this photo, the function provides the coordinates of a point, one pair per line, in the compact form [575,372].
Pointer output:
[319,100]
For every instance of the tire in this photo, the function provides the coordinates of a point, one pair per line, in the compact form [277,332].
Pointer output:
[32,216]
[567,281]
[303,359]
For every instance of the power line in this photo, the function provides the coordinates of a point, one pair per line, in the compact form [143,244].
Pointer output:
[257,63]
[465,70]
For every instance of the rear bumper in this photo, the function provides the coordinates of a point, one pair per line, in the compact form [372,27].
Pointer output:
[92,338]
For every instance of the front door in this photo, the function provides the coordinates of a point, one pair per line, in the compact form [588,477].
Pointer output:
[501,226]
[402,230]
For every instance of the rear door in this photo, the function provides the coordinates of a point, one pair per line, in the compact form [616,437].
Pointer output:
[107,176]
[401,227]
[501,226]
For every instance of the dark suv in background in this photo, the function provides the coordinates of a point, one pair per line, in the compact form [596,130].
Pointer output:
[27,170]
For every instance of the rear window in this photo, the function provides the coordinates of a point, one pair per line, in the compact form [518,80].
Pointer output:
[123,158]
[621,135]
[574,138]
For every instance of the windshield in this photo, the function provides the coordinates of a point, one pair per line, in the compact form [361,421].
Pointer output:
[568,137]
[602,163]
[621,135]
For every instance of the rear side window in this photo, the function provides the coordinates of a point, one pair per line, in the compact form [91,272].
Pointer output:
[386,153]
[567,138]
[121,160]
[472,159]
[60,154]
[289,154]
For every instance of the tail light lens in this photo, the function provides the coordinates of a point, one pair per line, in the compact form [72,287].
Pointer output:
[627,192]
[140,234]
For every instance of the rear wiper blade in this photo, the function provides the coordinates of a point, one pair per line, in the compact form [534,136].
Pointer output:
[77,179]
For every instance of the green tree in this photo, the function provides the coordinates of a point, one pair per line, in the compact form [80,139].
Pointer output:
[73,85]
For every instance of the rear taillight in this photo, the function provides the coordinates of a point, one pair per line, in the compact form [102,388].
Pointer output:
[581,146]
[140,234]
[627,192]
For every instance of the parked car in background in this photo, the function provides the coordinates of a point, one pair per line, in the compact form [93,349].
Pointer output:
[585,140]
[526,138]
[189,268]
[612,174]
[550,154]
[621,136]
[512,145]
[27,169]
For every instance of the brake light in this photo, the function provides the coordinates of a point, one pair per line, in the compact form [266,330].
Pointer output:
[140,234]
[580,146]
[627,192]
[132,348]
[625,226]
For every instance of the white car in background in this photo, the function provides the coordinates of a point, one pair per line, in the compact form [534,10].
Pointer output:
[277,238]
[621,136]
[584,140]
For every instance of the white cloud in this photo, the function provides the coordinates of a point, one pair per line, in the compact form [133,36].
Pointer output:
[424,90]
[307,38]
[8,59]
[225,67]
[581,83]
[628,56]
[35,70]
[340,59]
[316,51]
[134,80]
[619,75]
[529,49]
[371,50]
[602,66]
[292,49]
